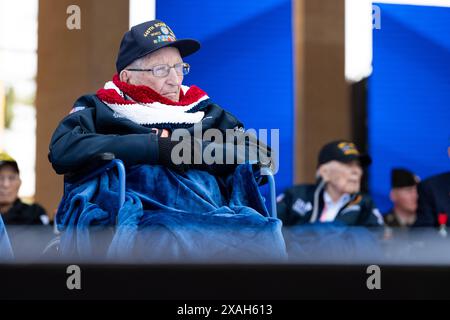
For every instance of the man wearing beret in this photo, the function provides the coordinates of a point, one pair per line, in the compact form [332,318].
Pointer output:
[336,197]
[404,196]
[134,115]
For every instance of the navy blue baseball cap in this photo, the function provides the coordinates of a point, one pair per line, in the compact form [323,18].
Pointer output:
[148,37]
[342,151]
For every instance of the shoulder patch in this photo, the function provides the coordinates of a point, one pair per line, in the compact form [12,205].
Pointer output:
[78,108]
[301,207]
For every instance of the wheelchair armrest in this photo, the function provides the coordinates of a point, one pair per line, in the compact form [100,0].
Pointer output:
[101,163]
[97,162]
[264,174]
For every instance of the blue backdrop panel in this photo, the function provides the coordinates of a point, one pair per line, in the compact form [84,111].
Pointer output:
[409,94]
[245,63]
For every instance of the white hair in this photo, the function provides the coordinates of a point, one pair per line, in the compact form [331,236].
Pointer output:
[138,63]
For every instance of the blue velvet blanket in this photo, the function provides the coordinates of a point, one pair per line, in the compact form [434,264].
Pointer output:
[5,246]
[169,216]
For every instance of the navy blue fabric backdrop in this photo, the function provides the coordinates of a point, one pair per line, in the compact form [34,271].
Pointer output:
[409,94]
[245,63]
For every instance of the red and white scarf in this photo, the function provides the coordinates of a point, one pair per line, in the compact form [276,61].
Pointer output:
[145,106]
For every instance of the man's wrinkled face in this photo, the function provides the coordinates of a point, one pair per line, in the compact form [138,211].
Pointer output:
[168,86]
[405,198]
[9,185]
[342,177]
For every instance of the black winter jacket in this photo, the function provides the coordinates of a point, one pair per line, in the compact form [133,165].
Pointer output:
[297,205]
[93,128]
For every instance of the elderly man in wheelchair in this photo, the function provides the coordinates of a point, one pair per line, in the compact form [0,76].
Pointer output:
[173,202]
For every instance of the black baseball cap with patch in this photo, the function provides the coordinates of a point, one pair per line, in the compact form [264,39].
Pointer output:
[342,151]
[7,160]
[148,37]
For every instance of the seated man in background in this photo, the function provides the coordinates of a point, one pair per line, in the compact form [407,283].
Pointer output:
[336,197]
[404,196]
[13,211]
[434,200]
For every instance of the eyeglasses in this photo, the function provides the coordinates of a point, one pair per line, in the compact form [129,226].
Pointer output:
[163,70]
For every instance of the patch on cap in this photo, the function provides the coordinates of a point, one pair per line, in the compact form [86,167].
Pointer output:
[164,39]
[342,151]
[160,32]
[348,148]
[165,30]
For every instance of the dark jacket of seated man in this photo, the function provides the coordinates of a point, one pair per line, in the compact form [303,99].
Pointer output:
[336,197]
[25,214]
[94,128]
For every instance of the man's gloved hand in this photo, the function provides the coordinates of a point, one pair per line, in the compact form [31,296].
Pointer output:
[189,147]
[183,158]
[165,146]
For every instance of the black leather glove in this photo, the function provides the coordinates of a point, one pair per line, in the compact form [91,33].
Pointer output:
[165,147]
[193,146]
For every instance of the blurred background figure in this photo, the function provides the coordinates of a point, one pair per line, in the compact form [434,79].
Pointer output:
[336,197]
[434,200]
[404,197]
[13,210]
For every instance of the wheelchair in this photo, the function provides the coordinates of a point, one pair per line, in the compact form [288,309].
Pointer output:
[106,162]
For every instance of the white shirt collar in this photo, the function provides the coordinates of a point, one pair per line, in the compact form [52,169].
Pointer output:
[341,201]
[331,208]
